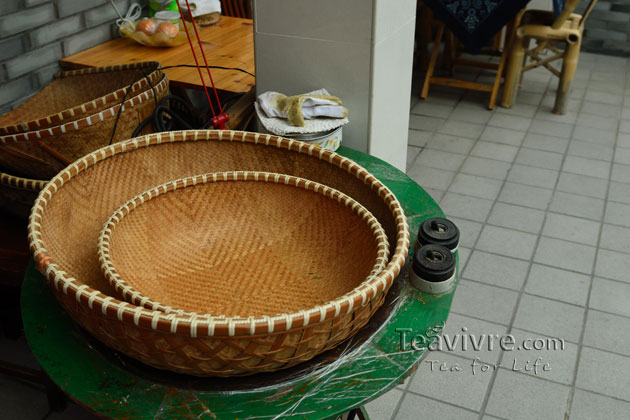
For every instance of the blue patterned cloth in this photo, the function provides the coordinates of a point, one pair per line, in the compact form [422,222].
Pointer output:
[475,22]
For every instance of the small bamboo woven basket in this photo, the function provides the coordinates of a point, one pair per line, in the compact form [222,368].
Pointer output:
[69,213]
[230,244]
[77,93]
[17,195]
[43,153]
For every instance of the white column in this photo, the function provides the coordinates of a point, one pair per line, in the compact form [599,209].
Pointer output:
[360,50]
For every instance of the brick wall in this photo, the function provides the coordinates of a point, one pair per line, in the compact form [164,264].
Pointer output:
[607,30]
[35,34]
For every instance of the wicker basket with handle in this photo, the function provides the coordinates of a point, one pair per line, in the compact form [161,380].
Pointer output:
[227,243]
[43,153]
[78,93]
[18,194]
[69,213]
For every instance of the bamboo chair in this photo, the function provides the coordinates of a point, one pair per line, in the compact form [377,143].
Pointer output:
[452,59]
[549,33]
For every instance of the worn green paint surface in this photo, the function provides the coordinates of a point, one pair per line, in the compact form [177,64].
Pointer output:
[110,386]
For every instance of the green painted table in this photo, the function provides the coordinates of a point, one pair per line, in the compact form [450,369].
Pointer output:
[343,379]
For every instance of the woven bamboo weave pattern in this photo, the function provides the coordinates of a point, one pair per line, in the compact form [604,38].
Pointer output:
[69,213]
[18,194]
[23,153]
[73,94]
[240,244]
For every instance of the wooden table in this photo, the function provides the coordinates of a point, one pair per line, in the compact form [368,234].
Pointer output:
[230,43]
[338,381]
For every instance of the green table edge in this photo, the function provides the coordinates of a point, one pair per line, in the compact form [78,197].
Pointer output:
[109,390]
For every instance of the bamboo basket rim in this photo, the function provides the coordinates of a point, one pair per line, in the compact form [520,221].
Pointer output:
[130,294]
[183,325]
[19,183]
[93,104]
[89,120]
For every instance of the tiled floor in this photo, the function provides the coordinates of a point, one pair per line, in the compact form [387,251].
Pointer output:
[543,202]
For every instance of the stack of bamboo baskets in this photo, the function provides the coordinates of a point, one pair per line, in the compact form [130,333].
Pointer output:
[189,238]
[77,113]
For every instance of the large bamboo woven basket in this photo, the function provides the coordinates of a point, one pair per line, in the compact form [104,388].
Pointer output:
[69,213]
[43,153]
[77,93]
[240,245]
[17,195]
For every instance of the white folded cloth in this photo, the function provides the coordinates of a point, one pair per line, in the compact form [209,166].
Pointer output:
[203,7]
[309,105]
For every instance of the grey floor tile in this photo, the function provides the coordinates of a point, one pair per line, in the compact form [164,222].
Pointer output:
[440,160]
[544,316]
[419,138]
[470,113]
[507,242]
[551,128]
[604,373]
[412,154]
[554,283]
[607,332]
[20,401]
[618,214]
[567,255]
[589,406]
[545,112]
[554,360]
[516,217]
[546,143]
[622,156]
[525,195]
[619,192]
[590,150]
[435,194]
[512,122]
[602,110]
[613,265]
[516,396]
[429,109]
[482,333]
[571,229]
[594,121]
[465,207]
[496,270]
[610,296]
[469,231]
[460,388]
[432,409]
[451,144]
[624,126]
[484,302]
[502,135]
[529,98]
[623,139]
[488,168]
[577,205]
[495,151]
[582,185]
[476,185]
[539,159]
[603,97]
[430,177]
[419,122]
[616,238]
[520,109]
[461,129]
[595,135]
[383,407]
[537,177]
[584,166]
[464,254]
[620,173]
